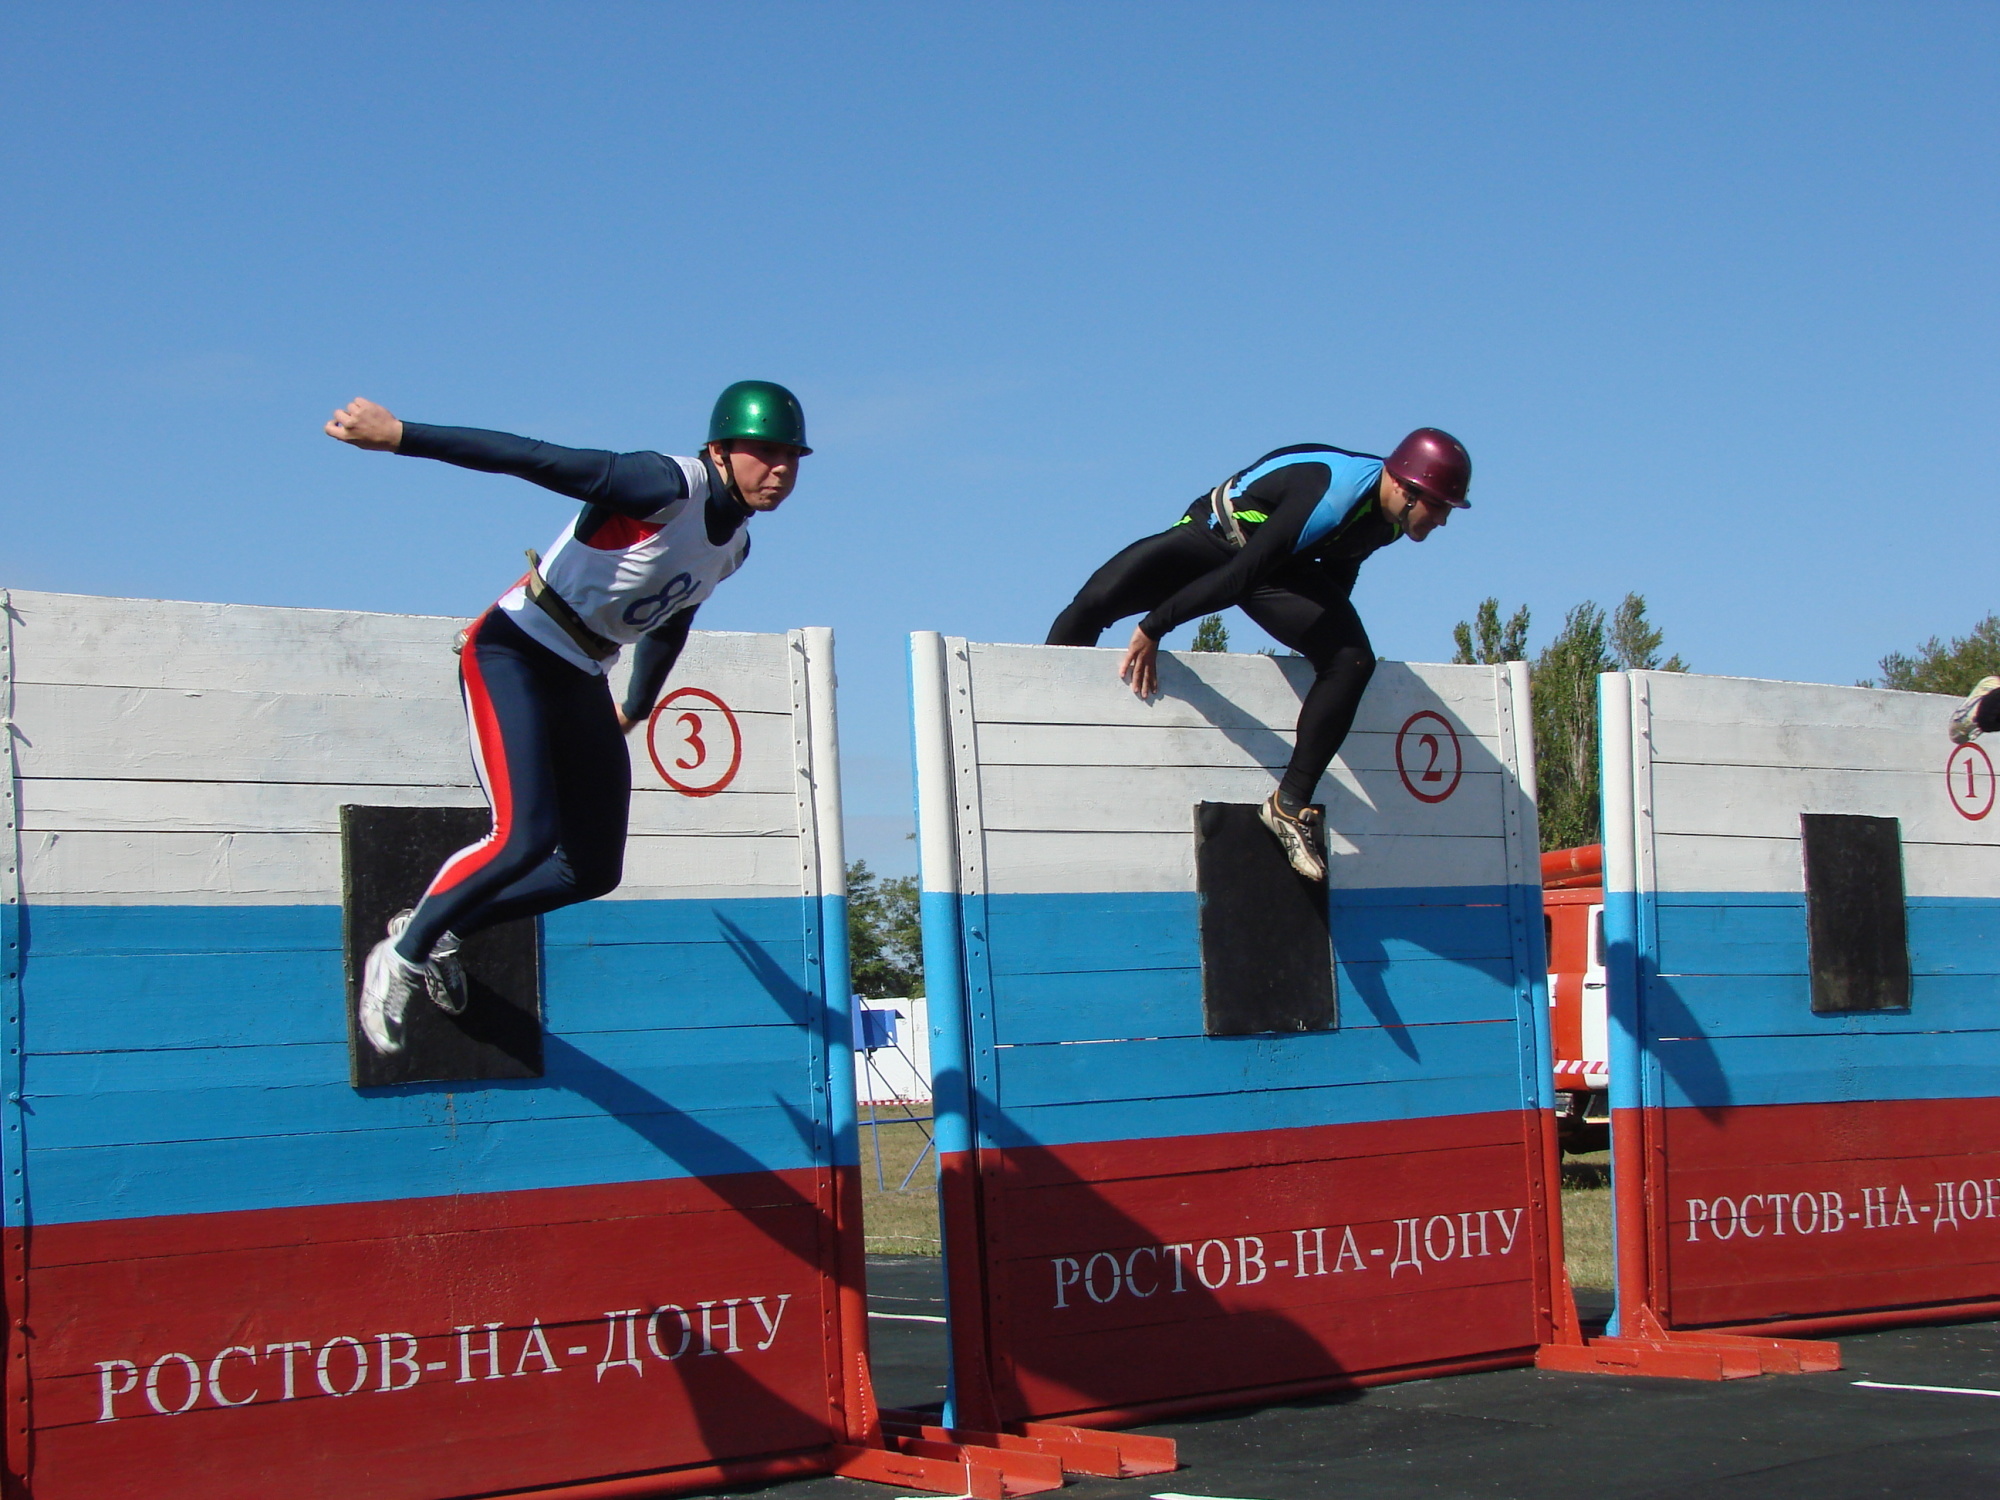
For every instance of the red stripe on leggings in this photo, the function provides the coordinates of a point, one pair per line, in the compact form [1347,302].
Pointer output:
[491,750]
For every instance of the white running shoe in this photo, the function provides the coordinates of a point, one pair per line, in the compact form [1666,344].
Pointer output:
[444,975]
[1964,724]
[1298,836]
[388,983]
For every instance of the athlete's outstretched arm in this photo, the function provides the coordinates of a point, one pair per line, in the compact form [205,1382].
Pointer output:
[654,657]
[633,484]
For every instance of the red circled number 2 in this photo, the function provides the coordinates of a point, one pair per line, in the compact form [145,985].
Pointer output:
[1429,757]
[1969,782]
[684,738]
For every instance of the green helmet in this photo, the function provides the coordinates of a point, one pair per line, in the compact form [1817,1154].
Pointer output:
[761,411]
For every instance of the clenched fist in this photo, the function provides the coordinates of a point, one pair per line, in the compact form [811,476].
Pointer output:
[366,425]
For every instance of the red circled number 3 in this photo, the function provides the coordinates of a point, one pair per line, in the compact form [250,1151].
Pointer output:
[693,725]
[698,724]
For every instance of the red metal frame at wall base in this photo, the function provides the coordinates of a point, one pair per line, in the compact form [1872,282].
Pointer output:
[683,1481]
[944,1468]
[1294,1390]
[1644,1344]
[1650,1348]
[1027,1447]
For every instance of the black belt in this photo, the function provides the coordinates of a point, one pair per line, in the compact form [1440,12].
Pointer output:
[557,608]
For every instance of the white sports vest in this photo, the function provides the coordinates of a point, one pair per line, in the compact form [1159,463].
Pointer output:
[633,574]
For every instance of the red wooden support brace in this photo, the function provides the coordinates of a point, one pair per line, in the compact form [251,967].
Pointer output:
[1020,1473]
[1078,1450]
[1137,1453]
[914,1471]
[1651,1348]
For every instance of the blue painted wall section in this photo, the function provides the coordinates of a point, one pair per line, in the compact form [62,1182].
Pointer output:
[193,1059]
[1728,1015]
[1086,1020]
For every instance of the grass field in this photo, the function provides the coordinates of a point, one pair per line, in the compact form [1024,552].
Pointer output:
[899,1222]
[1587,1219]
[905,1222]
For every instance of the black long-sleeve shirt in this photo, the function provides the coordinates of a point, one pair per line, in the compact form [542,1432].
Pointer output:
[610,485]
[1286,498]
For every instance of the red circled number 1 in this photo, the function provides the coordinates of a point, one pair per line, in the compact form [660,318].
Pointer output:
[683,753]
[1969,782]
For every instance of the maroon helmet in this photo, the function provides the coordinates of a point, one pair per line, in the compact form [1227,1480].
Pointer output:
[1434,462]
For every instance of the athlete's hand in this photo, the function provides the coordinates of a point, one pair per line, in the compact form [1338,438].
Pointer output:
[625,724]
[1140,665]
[366,425]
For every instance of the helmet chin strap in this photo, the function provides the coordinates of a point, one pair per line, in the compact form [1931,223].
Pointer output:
[727,468]
[1401,519]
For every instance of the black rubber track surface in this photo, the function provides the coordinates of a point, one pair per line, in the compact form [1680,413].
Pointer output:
[1525,1435]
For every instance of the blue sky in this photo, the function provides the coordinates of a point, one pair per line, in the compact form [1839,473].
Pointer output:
[1708,291]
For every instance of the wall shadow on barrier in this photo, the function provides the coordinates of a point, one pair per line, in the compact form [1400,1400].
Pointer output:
[1262,743]
[1118,1366]
[1266,1356]
[1368,982]
[1690,1060]
[1270,748]
[726,1393]
[793,998]
[1362,947]
[676,1134]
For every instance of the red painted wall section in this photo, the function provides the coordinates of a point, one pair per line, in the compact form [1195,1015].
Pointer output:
[1132,1273]
[1776,1211]
[433,1347]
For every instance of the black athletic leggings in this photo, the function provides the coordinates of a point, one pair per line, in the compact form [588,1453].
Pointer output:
[548,750]
[1304,605]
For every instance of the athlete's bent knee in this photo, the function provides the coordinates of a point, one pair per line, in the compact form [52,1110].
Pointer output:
[599,877]
[1354,664]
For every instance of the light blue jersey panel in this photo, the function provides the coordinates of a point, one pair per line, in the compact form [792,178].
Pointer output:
[1354,480]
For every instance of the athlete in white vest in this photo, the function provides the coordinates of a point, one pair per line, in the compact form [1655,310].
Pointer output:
[654,538]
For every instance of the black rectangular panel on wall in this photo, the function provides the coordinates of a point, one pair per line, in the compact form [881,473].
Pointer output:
[1266,943]
[388,856]
[1855,926]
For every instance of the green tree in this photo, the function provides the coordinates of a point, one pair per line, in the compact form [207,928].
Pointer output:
[1211,635]
[885,944]
[1564,694]
[1486,642]
[1940,668]
[1635,643]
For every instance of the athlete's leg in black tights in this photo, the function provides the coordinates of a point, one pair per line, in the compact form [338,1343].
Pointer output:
[1307,608]
[1150,571]
[546,744]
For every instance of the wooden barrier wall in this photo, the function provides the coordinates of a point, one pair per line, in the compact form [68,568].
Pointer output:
[1140,1217]
[1785,1166]
[229,1274]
